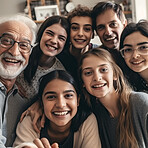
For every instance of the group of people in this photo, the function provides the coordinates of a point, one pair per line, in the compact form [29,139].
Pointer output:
[69,92]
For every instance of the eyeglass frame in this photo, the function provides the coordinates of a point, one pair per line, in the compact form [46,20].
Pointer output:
[14,41]
[133,49]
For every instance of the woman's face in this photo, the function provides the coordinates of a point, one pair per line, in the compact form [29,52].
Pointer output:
[53,40]
[60,102]
[137,62]
[81,31]
[97,76]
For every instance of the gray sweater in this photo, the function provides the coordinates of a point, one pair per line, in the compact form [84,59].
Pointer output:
[107,125]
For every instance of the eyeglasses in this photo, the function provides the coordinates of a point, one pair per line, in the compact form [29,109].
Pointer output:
[7,42]
[127,52]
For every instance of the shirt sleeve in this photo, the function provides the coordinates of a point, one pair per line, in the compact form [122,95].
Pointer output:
[88,134]
[25,132]
[2,140]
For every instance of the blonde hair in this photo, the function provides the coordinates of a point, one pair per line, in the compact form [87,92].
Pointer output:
[125,126]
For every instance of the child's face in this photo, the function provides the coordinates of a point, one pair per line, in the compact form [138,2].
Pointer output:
[97,75]
[60,103]
[53,40]
[81,31]
[136,46]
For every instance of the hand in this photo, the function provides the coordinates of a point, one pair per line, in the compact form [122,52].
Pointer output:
[44,143]
[35,111]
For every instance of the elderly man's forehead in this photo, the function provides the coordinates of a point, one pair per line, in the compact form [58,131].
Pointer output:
[16,28]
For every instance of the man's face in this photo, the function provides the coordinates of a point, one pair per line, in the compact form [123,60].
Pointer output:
[109,29]
[12,61]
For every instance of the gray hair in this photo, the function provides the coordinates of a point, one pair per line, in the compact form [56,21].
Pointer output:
[24,19]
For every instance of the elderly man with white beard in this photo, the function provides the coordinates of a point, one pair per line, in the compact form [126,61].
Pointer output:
[17,35]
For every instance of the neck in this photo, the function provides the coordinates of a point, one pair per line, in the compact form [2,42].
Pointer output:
[111,104]
[57,133]
[8,83]
[46,61]
[144,75]
[75,52]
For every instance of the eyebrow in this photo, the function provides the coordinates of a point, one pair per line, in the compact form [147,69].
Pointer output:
[97,66]
[141,43]
[9,34]
[52,92]
[59,34]
[79,24]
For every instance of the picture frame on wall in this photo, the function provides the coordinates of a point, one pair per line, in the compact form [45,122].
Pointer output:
[43,12]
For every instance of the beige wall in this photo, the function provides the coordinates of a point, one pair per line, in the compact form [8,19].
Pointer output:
[11,6]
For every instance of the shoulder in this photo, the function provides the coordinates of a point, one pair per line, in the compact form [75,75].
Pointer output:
[89,124]
[25,132]
[139,102]
[88,134]
[139,97]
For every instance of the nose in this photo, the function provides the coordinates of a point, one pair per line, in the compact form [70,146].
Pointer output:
[61,102]
[80,33]
[108,30]
[54,39]
[135,54]
[14,50]
[97,76]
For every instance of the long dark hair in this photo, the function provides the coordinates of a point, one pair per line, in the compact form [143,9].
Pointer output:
[36,54]
[83,110]
[133,77]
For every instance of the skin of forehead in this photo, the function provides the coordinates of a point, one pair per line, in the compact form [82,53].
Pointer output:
[16,27]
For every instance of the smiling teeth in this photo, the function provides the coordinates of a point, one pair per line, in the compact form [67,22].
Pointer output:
[96,86]
[11,60]
[137,62]
[53,48]
[108,39]
[61,113]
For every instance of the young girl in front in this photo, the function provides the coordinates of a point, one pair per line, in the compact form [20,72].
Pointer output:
[68,119]
[122,114]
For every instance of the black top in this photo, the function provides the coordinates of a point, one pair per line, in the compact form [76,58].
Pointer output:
[68,143]
[107,125]
[69,62]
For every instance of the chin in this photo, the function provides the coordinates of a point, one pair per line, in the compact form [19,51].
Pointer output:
[11,73]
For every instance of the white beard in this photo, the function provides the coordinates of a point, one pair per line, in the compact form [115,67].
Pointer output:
[11,72]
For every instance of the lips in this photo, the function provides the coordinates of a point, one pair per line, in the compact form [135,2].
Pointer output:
[11,60]
[51,47]
[98,85]
[110,39]
[80,40]
[137,62]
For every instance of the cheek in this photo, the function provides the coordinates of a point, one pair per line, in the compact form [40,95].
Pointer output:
[26,57]
[47,107]
[127,61]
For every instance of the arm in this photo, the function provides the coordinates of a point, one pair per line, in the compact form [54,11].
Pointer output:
[88,134]
[25,132]
[35,111]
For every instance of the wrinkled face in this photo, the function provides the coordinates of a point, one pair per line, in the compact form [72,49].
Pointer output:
[60,102]
[53,40]
[137,62]
[97,76]
[81,31]
[109,29]
[12,61]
